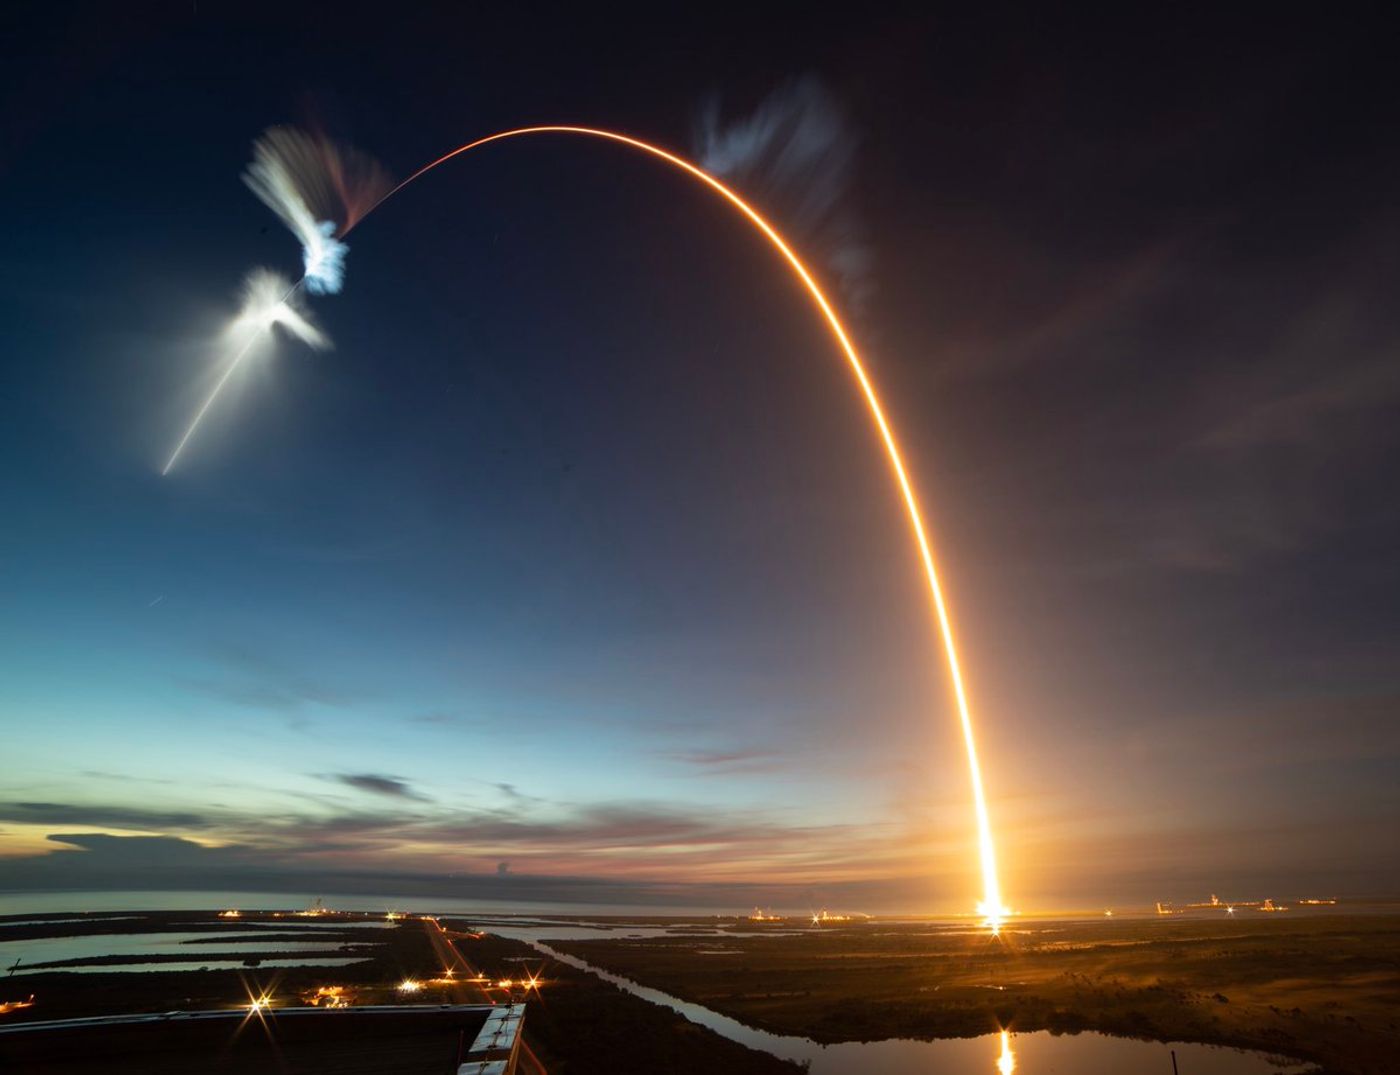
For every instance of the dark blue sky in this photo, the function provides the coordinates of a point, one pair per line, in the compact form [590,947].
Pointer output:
[577,553]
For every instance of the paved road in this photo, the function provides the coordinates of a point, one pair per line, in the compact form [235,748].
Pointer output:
[468,992]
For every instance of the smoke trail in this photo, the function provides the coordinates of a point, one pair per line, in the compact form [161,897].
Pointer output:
[268,299]
[320,190]
[798,151]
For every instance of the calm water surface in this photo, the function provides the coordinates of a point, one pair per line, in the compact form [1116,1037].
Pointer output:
[52,949]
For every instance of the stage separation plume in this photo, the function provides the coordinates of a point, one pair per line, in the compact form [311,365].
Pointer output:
[269,299]
[991,907]
[321,190]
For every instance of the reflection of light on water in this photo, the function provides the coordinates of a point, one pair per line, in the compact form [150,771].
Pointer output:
[1006,1063]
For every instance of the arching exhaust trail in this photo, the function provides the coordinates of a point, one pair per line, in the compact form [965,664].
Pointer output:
[990,906]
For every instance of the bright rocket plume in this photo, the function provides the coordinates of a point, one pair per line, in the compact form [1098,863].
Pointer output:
[268,299]
[320,190]
[271,299]
[280,156]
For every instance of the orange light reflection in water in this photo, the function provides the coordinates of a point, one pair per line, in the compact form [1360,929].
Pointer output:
[1006,1063]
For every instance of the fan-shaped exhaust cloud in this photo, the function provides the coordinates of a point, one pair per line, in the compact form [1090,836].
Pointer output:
[319,189]
[797,150]
[270,299]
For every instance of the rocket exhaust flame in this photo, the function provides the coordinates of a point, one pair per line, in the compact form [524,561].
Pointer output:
[990,907]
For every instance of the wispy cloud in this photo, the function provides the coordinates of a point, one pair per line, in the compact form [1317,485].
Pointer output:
[1070,317]
[100,814]
[796,152]
[1303,414]
[253,680]
[717,762]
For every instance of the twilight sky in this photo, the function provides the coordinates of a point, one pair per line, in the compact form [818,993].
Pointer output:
[574,571]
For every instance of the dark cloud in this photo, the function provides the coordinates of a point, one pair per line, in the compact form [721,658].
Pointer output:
[379,784]
[125,817]
[517,797]
[523,829]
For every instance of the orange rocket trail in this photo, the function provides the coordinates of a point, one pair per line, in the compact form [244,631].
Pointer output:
[991,906]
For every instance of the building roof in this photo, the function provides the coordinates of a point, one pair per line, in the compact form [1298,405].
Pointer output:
[420,1039]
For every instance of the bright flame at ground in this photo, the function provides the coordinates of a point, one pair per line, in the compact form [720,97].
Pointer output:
[1006,1062]
[990,906]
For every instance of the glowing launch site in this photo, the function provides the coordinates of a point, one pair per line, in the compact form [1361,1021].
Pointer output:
[624,545]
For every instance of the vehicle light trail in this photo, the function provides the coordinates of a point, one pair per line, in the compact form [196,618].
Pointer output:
[990,907]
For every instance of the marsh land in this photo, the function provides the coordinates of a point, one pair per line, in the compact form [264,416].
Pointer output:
[1319,987]
[1325,988]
